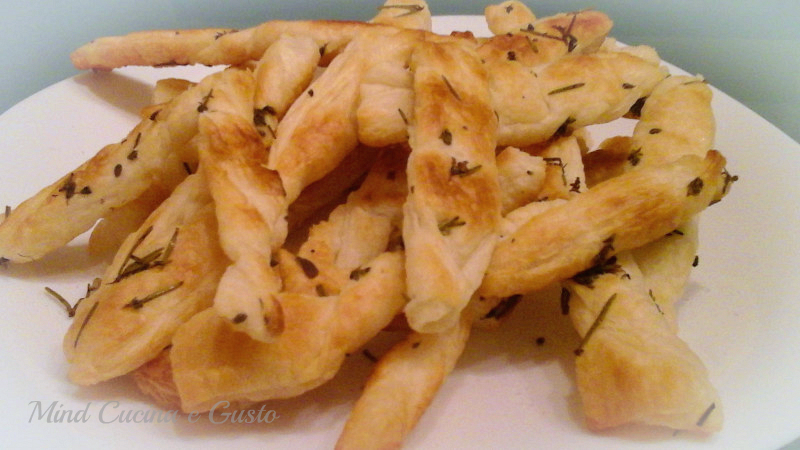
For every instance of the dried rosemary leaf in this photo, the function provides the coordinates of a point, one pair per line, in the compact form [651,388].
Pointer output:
[595,324]
[447,226]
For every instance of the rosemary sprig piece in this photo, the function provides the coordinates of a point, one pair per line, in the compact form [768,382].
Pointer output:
[566,88]
[410,9]
[137,303]
[451,88]
[461,168]
[595,324]
[83,325]
[447,226]
[70,308]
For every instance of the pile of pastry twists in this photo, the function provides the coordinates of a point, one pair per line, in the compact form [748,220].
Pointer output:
[333,179]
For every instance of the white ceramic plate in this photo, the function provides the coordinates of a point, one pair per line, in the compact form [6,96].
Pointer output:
[740,313]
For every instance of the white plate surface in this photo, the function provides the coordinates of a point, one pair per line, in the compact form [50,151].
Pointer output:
[740,314]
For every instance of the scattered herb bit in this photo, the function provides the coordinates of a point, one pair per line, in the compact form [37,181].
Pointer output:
[410,9]
[356,274]
[451,88]
[320,290]
[595,324]
[259,118]
[565,295]
[271,132]
[369,355]
[83,325]
[133,155]
[587,277]
[415,344]
[556,161]
[91,287]
[540,341]
[222,33]
[635,111]
[729,179]
[566,88]
[675,231]
[310,92]
[70,309]
[511,55]
[566,34]
[118,170]
[86,190]
[239,318]
[461,168]
[137,303]
[155,114]
[137,140]
[68,187]
[635,157]
[308,267]
[575,186]
[705,415]
[504,307]
[135,245]
[509,8]
[696,261]
[563,129]
[403,116]
[322,49]
[446,137]
[187,168]
[655,302]
[447,226]
[694,187]
[8,211]
[654,130]
[605,251]
[4,261]
[203,106]
[170,246]
[627,86]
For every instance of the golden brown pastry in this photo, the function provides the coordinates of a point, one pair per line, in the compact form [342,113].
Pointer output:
[631,366]
[453,207]
[622,213]
[162,275]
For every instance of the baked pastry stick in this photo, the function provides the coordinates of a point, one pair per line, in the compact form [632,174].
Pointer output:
[453,208]
[619,214]
[320,128]
[226,46]
[154,155]
[631,366]
[533,104]
[282,73]
[250,207]
[338,248]
[402,386]
[676,120]
[162,275]
[363,289]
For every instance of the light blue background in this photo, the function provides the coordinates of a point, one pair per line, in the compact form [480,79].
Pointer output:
[750,49]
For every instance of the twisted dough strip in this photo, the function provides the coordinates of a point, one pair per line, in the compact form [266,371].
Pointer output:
[211,362]
[631,366]
[619,214]
[162,275]
[453,208]
[153,155]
